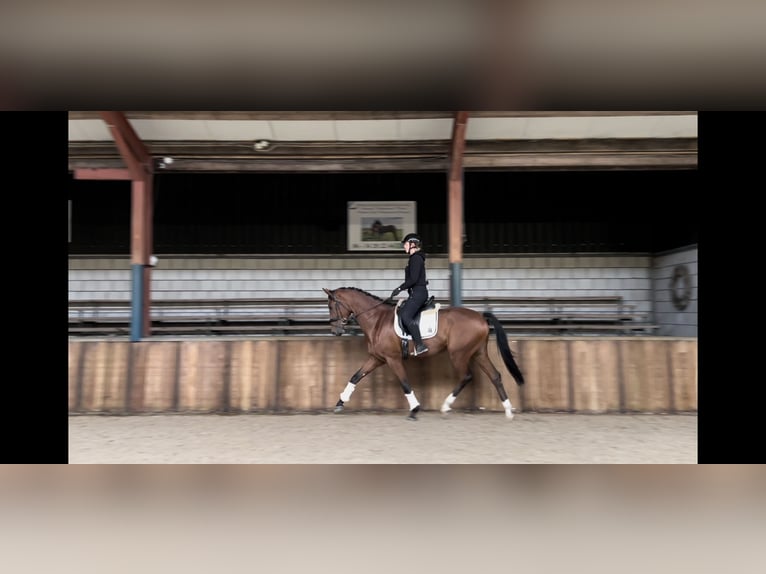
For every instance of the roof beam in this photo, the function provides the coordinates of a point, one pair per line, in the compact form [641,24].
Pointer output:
[102,174]
[133,151]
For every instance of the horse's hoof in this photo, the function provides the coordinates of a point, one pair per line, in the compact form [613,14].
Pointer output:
[412,417]
[509,415]
[338,410]
[445,410]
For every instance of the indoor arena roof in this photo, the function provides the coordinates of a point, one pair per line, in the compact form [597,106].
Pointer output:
[343,141]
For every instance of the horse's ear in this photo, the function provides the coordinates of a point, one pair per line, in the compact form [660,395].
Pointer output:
[329,294]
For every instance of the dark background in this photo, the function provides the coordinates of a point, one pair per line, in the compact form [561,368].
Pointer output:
[504,212]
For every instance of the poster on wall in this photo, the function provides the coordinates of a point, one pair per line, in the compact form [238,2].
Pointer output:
[379,225]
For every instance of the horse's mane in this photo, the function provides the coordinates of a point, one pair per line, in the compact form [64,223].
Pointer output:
[368,294]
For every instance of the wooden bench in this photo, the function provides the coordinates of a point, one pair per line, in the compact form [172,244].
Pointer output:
[605,313]
[310,316]
[204,316]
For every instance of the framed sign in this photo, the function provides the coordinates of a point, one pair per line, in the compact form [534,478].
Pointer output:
[379,225]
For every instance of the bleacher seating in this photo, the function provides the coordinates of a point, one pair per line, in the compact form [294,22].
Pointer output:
[279,316]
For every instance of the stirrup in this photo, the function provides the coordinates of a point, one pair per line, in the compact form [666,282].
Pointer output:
[417,351]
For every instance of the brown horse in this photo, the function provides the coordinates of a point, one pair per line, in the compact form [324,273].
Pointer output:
[463,333]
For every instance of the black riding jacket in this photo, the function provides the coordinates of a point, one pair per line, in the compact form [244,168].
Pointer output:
[415,272]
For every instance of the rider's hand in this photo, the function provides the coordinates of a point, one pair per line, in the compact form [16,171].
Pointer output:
[395,292]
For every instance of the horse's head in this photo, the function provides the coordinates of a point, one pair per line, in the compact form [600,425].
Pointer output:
[340,312]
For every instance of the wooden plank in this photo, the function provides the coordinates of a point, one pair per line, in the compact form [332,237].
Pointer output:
[214,361]
[241,372]
[75,364]
[658,378]
[645,376]
[300,381]
[104,381]
[201,376]
[266,374]
[154,377]
[135,398]
[595,376]
[334,373]
[91,388]
[684,375]
[547,387]
[116,378]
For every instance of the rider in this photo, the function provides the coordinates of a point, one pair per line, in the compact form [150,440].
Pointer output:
[416,284]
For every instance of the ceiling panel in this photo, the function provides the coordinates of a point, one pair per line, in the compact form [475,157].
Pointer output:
[480,128]
[392,141]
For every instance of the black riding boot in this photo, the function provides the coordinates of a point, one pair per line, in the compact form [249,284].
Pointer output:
[420,348]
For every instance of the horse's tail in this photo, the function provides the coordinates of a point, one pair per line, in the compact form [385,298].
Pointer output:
[505,349]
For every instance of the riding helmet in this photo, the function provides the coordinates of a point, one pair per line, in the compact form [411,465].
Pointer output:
[414,237]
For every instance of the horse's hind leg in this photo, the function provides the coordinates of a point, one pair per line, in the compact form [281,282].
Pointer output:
[461,363]
[447,404]
[482,360]
[369,365]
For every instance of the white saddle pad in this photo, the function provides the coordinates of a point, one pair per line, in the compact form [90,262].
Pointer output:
[429,322]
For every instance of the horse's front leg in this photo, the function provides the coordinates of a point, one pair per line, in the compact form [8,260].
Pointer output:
[398,368]
[369,365]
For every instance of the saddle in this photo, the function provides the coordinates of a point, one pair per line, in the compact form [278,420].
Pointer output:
[427,317]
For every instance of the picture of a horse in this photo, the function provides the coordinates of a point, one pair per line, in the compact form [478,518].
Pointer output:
[378,231]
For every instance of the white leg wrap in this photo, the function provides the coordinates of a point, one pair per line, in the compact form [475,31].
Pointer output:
[508,408]
[412,400]
[346,394]
[448,403]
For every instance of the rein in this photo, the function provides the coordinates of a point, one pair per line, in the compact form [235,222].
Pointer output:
[351,316]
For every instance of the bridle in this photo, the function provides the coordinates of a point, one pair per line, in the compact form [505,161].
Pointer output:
[352,317]
[343,320]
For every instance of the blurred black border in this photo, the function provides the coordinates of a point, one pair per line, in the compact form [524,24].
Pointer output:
[35,392]
[728,292]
